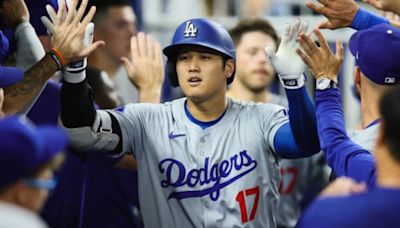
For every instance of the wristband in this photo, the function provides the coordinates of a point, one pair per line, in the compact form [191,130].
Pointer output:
[59,56]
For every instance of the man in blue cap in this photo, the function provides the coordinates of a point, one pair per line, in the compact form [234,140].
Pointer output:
[377,52]
[28,157]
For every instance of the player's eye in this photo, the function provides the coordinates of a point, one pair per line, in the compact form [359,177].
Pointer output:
[182,57]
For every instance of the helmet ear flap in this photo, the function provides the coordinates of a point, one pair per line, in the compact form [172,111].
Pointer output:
[171,72]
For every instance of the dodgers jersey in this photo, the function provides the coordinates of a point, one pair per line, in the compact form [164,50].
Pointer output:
[223,176]
[296,175]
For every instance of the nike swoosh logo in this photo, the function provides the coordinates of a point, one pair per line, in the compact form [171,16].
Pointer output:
[172,135]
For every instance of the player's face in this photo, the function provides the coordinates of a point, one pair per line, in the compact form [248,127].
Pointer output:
[117,30]
[253,68]
[202,75]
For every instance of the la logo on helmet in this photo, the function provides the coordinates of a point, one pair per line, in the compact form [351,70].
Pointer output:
[190,30]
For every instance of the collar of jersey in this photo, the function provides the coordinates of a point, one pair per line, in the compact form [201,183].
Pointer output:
[373,123]
[203,124]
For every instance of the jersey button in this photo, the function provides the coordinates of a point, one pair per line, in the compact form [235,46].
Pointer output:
[202,140]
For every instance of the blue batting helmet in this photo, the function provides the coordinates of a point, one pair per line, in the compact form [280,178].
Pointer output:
[199,32]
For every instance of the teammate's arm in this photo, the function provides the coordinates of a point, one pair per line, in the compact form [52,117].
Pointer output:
[67,40]
[345,157]
[299,137]
[347,13]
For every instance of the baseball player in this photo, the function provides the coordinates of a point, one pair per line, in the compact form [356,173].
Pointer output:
[203,160]
[371,209]
[254,75]
[340,152]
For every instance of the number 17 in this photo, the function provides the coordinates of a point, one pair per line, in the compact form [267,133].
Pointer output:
[242,202]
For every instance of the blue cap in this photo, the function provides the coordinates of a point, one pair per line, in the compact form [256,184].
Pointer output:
[377,53]
[24,148]
[10,75]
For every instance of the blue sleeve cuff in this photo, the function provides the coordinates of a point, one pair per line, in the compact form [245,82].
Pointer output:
[365,19]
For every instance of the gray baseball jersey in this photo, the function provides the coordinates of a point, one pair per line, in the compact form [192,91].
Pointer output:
[223,176]
[296,175]
[366,137]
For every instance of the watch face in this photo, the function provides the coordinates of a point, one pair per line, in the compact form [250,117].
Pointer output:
[323,83]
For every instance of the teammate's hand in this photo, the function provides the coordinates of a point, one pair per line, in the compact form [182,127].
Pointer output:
[340,13]
[14,12]
[69,33]
[146,70]
[286,62]
[320,60]
[343,186]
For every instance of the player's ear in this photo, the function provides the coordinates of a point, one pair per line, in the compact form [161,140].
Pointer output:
[357,77]
[229,68]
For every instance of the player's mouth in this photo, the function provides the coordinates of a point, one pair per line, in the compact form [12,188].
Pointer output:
[194,81]
[260,71]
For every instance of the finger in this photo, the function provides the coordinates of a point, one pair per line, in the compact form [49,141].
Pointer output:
[88,38]
[80,12]
[307,44]
[48,24]
[142,44]
[304,27]
[339,50]
[295,29]
[91,48]
[315,8]
[128,65]
[59,13]
[52,13]
[325,25]
[134,48]
[88,18]
[71,12]
[286,33]
[150,46]
[322,42]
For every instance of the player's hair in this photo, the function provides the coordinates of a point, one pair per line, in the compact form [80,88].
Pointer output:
[390,111]
[252,25]
[103,5]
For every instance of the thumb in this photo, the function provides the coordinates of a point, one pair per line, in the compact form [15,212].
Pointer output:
[128,66]
[326,25]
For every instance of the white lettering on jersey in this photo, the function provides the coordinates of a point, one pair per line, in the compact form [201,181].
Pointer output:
[242,162]
[190,30]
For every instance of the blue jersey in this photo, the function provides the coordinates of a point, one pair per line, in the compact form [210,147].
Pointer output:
[379,207]
[345,157]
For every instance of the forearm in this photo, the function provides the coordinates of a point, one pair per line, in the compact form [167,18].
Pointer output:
[303,122]
[29,47]
[20,95]
[345,157]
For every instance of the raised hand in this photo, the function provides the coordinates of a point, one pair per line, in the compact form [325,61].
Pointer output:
[146,70]
[320,59]
[340,13]
[286,62]
[68,35]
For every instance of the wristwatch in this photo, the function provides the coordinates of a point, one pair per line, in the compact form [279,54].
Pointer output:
[324,83]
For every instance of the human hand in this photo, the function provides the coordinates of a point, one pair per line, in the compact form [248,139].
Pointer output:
[343,186]
[69,34]
[340,13]
[146,70]
[14,12]
[286,62]
[320,59]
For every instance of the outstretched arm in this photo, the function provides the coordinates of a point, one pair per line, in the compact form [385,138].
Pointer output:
[346,13]
[345,157]
[298,138]
[67,47]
